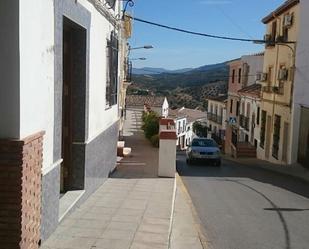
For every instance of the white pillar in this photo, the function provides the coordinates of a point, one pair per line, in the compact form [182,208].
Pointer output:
[167,153]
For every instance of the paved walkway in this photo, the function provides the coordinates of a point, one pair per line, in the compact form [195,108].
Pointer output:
[294,170]
[131,210]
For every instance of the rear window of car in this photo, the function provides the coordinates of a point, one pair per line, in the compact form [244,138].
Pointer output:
[204,143]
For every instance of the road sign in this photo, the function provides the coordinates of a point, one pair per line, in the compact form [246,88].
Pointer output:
[232,120]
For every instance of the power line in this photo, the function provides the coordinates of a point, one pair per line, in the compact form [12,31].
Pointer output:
[195,33]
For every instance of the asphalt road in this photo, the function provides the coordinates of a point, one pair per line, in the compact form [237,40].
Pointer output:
[243,208]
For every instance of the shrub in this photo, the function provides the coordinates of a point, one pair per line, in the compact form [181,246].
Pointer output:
[155,140]
[150,124]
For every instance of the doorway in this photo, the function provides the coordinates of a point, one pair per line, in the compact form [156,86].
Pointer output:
[303,144]
[74,57]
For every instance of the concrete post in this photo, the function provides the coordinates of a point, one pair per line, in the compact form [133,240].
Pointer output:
[167,153]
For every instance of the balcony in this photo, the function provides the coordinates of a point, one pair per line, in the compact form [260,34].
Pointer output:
[215,118]
[128,72]
[244,122]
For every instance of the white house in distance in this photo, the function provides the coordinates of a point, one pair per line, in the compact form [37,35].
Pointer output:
[184,119]
[216,117]
[58,107]
[165,108]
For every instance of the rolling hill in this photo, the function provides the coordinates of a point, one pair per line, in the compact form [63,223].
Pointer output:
[185,87]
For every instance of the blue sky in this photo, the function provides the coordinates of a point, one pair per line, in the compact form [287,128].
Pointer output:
[238,18]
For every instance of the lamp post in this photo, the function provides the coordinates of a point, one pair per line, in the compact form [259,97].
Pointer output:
[136,59]
[143,47]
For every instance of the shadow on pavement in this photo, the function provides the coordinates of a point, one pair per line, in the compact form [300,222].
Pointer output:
[232,169]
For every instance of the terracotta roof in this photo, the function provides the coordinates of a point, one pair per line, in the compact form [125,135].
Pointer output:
[140,100]
[191,114]
[280,10]
[219,98]
[252,90]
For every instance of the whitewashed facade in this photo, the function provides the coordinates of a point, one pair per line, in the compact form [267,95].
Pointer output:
[52,49]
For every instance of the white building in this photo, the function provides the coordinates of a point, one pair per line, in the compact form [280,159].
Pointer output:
[60,74]
[165,108]
[184,119]
[300,105]
[250,109]
[216,117]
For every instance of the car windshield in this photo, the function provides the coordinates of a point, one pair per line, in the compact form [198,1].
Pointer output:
[204,143]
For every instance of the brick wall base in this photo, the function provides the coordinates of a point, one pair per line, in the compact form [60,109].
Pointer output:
[20,192]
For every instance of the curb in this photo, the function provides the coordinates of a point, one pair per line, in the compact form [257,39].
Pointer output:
[299,177]
[205,242]
[172,213]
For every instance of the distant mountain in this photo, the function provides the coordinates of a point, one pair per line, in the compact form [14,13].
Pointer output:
[185,87]
[156,71]
[153,70]
[210,67]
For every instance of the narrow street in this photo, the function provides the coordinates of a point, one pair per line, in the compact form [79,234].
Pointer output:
[248,208]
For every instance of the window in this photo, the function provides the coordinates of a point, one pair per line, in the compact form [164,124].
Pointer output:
[274,31]
[233,76]
[239,75]
[231,106]
[270,75]
[285,34]
[112,71]
[276,136]
[263,129]
[258,116]
[237,108]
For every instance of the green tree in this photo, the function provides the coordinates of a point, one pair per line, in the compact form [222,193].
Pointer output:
[200,129]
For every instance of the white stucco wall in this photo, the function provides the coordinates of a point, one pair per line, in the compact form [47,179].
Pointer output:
[167,158]
[301,82]
[100,118]
[254,104]
[37,71]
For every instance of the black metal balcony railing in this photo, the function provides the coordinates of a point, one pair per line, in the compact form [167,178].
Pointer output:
[215,118]
[244,122]
[128,71]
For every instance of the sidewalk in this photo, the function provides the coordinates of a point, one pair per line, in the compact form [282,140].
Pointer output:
[294,170]
[131,210]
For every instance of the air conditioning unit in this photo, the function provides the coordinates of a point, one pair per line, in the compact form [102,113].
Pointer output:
[283,74]
[288,20]
[262,77]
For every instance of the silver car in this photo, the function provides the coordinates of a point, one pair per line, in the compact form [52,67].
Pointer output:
[203,149]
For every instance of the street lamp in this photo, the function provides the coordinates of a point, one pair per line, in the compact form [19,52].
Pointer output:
[136,59]
[143,47]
